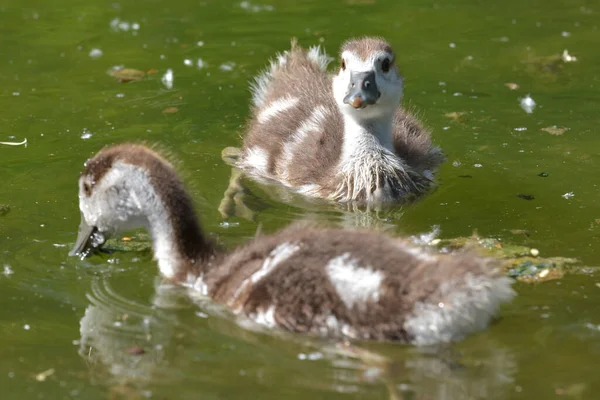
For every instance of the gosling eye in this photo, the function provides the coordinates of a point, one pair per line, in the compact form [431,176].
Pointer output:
[87,189]
[385,65]
[343,66]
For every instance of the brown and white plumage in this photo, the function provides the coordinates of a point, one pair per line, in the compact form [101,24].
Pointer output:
[315,133]
[329,282]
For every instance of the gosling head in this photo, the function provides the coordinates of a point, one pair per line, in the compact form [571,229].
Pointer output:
[368,84]
[116,193]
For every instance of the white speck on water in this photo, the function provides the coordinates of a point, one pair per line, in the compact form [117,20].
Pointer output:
[59,245]
[233,44]
[167,79]
[442,83]
[535,253]
[226,224]
[95,53]
[85,134]
[42,226]
[16,94]
[565,34]
[477,165]
[200,43]
[162,56]
[117,323]
[452,45]
[135,26]
[187,62]
[201,314]
[26,327]
[7,270]
[200,63]
[456,163]
[456,94]
[568,195]
[446,128]
[248,6]
[520,129]
[528,104]
[11,374]
[310,356]
[567,57]
[120,95]
[228,66]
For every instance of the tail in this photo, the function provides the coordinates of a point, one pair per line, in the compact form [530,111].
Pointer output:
[260,86]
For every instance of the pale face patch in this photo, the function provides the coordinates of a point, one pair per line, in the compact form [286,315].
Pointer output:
[389,83]
[353,283]
[276,107]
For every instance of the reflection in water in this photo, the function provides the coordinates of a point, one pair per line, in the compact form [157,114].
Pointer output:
[123,342]
[133,347]
[239,201]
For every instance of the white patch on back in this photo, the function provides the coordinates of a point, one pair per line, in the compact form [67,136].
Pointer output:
[353,283]
[257,159]
[314,123]
[266,318]
[276,107]
[275,257]
[469,305]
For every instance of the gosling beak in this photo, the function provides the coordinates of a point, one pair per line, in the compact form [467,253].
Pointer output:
[84,238]
[362,90]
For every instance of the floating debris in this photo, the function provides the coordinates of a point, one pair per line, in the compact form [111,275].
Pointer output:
[85,134]
[528,104]
[526,196]
[543,175]
[124,26]
[187,62]
[7,270]
[512,86]
[135,350]
[520,129]
[42,376]
[520,262]
[455,116]
[554,130]
[310,356]
[228,66]
[478,165]
[534,252]
[167,79]
[566,57]
[246,5]
[200,63]
[24,142]
[95,53]
[124,75]
[170,110]
[565,34]
[568,195]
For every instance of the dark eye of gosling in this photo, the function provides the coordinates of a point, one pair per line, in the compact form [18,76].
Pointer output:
[87,189]
[385,65]
[343,66]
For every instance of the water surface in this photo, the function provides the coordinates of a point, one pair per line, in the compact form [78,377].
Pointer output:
[75,321]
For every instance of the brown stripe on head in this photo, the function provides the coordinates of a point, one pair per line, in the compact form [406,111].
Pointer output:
[96,167]
[366,46]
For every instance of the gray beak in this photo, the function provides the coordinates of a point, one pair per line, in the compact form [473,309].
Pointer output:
[84,238]
[362,90]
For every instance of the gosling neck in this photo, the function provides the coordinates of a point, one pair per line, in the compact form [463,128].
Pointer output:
[180,246]
[373,133]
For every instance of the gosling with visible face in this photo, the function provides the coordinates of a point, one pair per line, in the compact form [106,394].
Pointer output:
[343,284]
[342,137]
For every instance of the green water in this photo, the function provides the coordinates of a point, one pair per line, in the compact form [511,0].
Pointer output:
[456,57]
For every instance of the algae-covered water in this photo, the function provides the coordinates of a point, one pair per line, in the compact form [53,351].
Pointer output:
[75,329]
